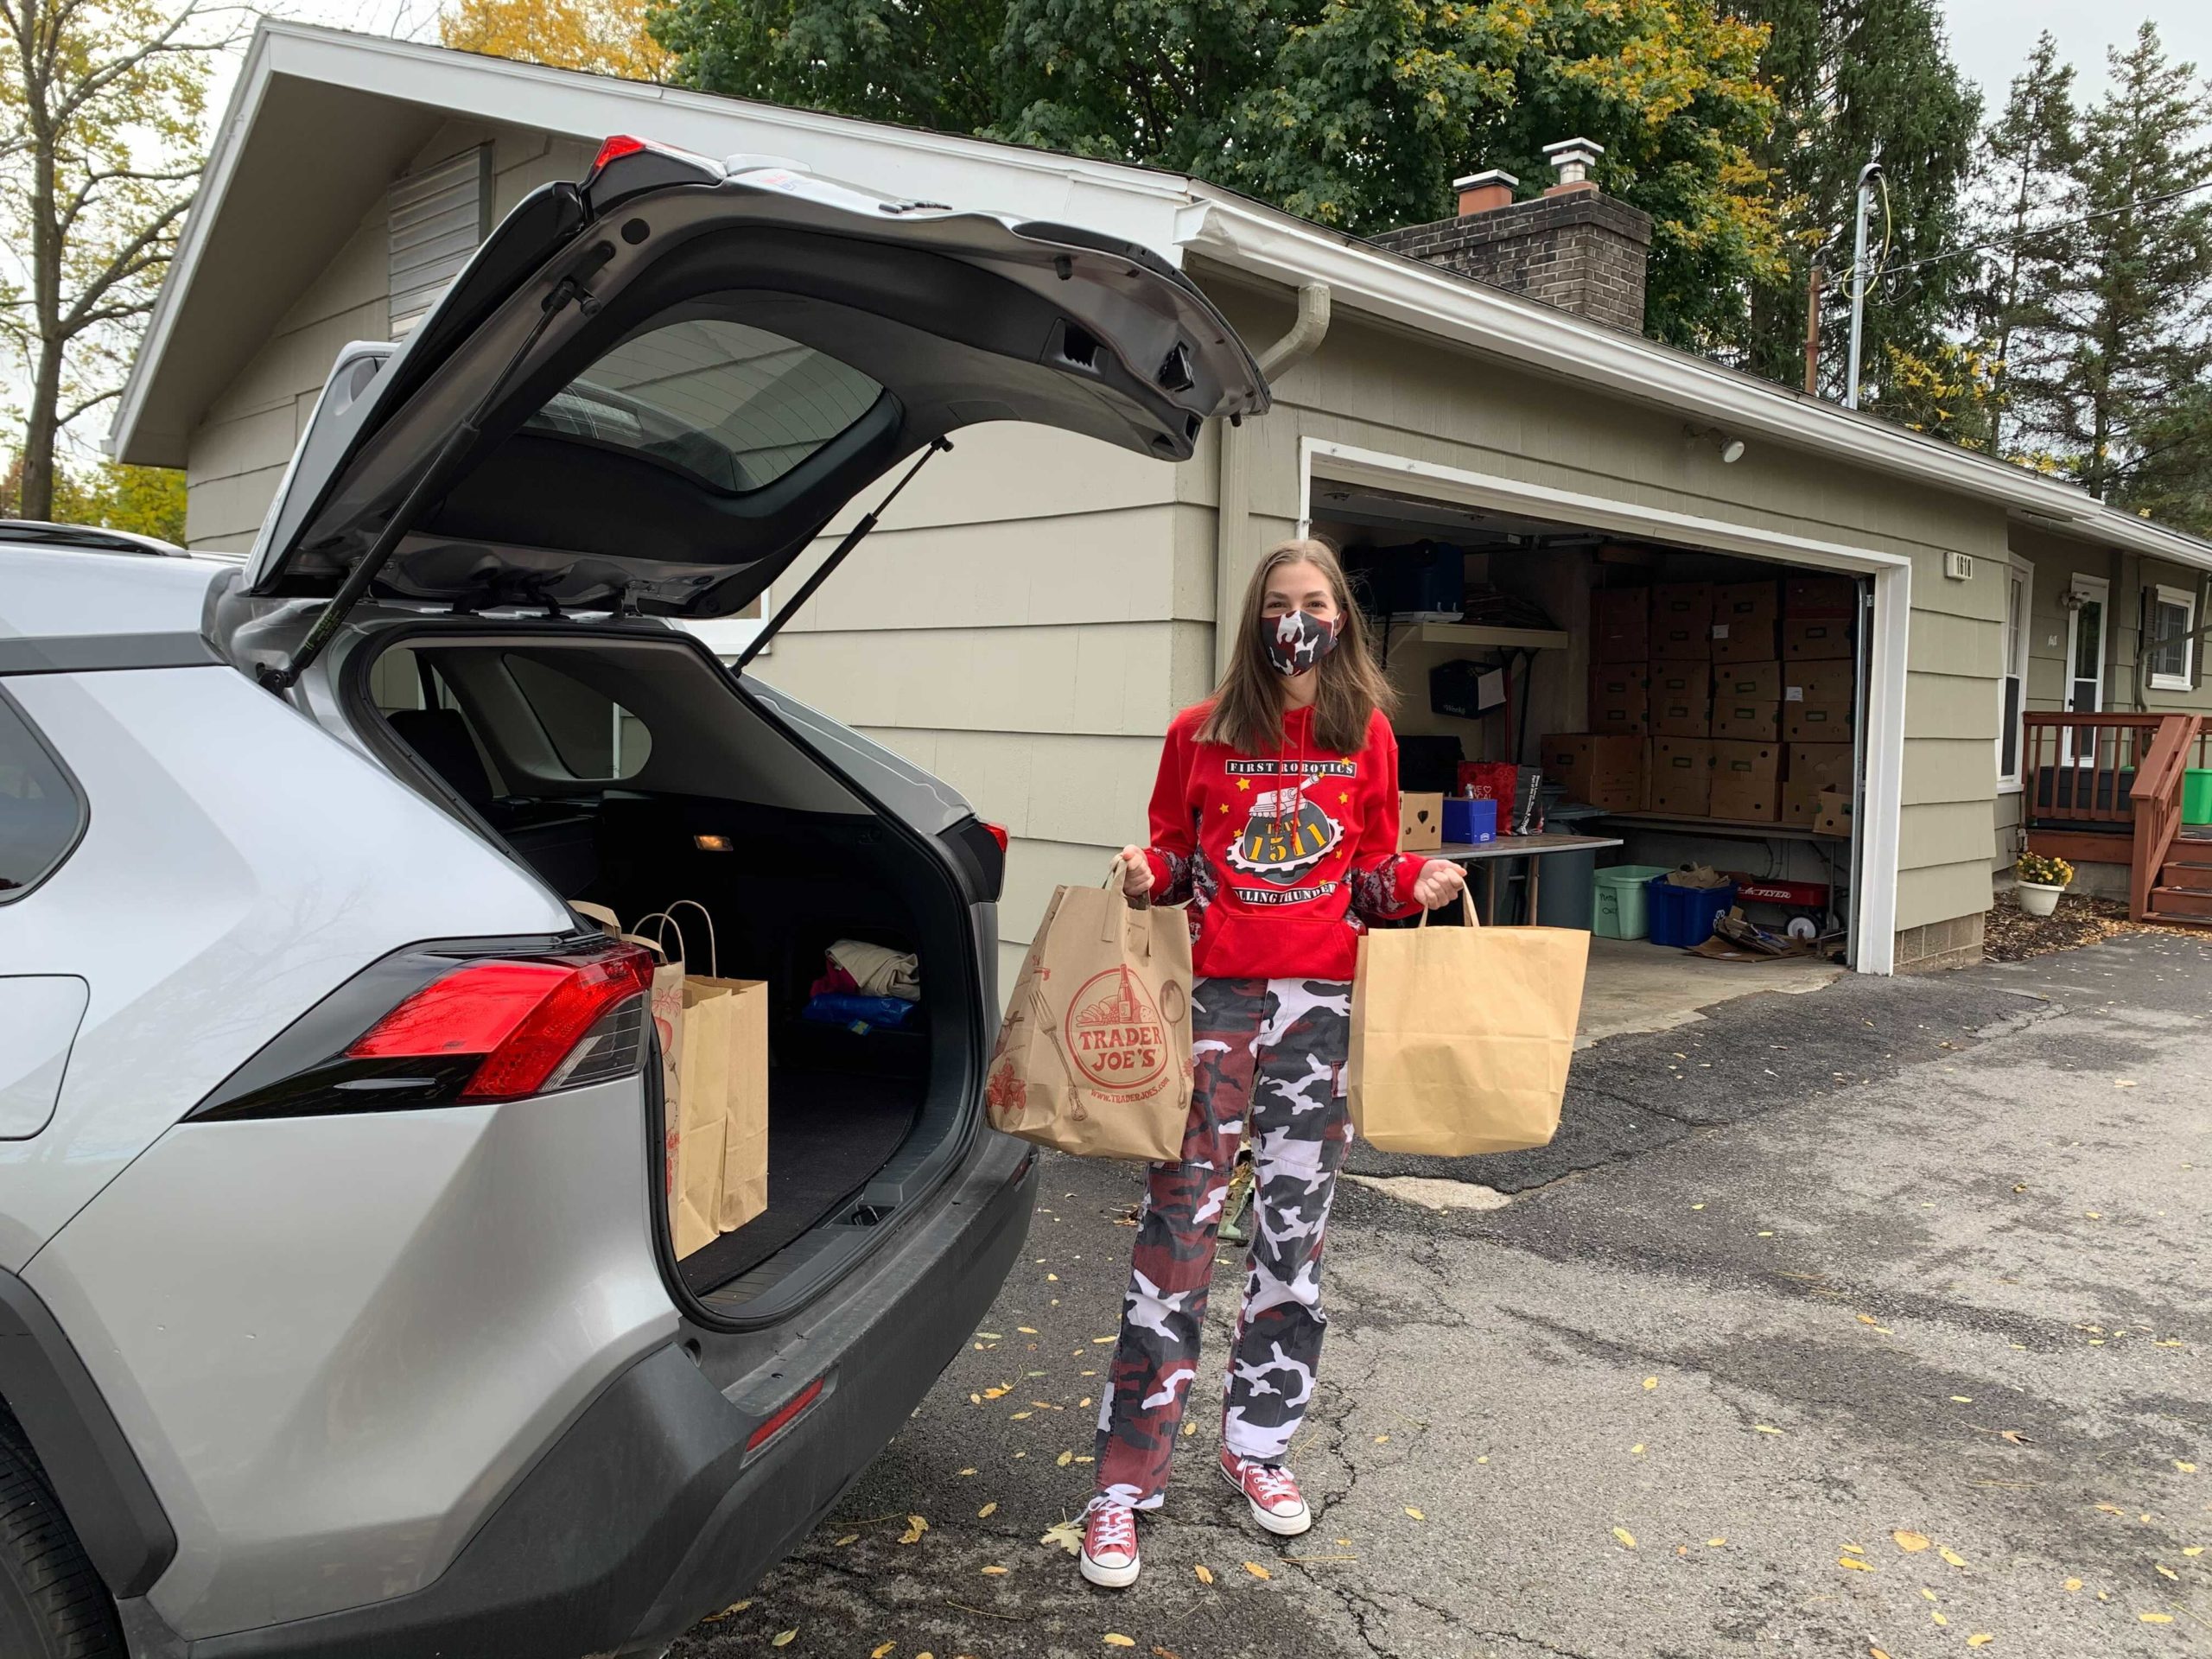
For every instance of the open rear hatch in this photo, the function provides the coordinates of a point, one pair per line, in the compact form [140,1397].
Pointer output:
[648,393]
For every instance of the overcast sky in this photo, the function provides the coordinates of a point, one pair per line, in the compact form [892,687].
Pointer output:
[1990,39]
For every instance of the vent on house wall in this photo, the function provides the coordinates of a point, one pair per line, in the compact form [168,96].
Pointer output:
[437,219]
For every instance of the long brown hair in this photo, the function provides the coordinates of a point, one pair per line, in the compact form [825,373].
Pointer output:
[1248,704]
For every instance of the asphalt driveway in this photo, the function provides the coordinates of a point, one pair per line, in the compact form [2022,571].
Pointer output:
[1872,1320]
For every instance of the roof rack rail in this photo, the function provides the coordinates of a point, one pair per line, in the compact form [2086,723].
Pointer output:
[89,538]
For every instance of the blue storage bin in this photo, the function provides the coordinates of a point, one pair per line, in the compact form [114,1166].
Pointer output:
[1684,916]
[1470,822]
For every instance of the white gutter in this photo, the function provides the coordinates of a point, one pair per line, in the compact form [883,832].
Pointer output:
[1264,242]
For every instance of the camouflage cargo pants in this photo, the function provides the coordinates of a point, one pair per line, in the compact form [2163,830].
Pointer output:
[1269,1058]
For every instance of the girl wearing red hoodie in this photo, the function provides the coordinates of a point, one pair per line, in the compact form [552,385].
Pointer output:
[1275,819]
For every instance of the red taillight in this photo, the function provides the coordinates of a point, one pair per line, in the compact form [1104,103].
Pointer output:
[785,1415]
[997,833]
[614,148]
[524,1018]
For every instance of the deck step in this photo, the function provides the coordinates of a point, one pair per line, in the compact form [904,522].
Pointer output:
[2197,878]
[2186,903]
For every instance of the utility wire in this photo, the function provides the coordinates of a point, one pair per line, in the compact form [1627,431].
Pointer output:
[2044,230]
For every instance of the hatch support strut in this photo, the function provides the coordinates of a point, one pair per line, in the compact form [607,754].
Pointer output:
[853,538]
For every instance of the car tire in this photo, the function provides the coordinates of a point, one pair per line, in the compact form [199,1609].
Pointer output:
[52,1605]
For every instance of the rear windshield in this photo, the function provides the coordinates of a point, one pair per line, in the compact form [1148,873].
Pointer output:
[733,406]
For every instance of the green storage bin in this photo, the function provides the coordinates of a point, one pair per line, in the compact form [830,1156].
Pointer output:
[2197,795]
[1617,901]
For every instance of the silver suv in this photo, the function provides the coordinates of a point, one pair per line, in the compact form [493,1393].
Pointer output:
[339,1313]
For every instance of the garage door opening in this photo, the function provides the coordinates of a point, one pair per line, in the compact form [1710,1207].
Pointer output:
[1672,702]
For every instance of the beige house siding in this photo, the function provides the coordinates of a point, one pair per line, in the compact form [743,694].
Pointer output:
[238,451]
[1024,623]
[1396,393]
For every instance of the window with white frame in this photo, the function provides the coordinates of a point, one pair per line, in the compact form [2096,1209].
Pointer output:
[2170,650]
[2012,684]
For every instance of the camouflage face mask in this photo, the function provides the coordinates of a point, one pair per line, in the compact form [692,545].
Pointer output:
[1299,639]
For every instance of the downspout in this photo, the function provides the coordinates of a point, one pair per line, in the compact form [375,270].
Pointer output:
[1232,493]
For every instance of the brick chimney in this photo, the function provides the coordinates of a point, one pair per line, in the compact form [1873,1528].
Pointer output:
[1574,246]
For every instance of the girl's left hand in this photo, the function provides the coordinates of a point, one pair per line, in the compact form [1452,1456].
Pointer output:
[1440,882]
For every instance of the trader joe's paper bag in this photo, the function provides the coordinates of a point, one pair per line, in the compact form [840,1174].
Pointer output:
[1094,1056]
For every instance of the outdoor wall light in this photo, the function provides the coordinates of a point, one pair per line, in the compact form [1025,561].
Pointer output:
[1731,449]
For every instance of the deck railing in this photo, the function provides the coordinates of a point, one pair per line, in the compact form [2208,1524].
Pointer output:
[2080,769]
[2156,796]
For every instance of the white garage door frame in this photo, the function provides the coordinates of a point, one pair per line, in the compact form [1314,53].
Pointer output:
[1881,804]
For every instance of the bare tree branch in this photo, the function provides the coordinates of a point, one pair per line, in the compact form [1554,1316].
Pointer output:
[135,256]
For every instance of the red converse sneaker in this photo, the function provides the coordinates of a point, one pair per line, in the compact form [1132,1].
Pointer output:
[1273,1494]
[1109,1545]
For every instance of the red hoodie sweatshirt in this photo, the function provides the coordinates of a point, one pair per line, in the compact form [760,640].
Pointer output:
[1285,859]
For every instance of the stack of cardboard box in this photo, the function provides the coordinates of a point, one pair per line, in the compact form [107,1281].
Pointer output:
[1731,701]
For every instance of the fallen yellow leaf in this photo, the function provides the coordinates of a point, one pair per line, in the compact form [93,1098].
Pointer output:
[2073,1585]
[993,1572]
[783,1638]
[1854,1562]
[1026,1329]
[2194,1549]
[1627,1538]
[1019,1415]
[1650,1381]
[1873,1652]
[1063,1534]
[988,1510]
[1205,1574]
[997,1393]
[1715,1543]
[1910,1542]
[850,1538]
[1979,1639]
[2186,1468]
[1099,1340]
[1939,1618]
[1065,1458]
[1635,1451]
[883,1652]
[1257,1570]
[1416,1513]
[1868,1318]
[2156,1618]
[734,1607]
[1115,1639]
[2167,1571]
[1953,1557]
[1762,1428]
[1189,1429]
[1382,1439]
[2112,1509]
[1962,1400]
[967,1471]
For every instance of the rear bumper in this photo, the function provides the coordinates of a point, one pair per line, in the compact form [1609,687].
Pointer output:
[650,1511]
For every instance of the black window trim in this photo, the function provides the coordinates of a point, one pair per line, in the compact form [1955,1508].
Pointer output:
[10,895]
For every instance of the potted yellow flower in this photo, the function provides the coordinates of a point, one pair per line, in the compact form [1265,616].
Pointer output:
[2038,881]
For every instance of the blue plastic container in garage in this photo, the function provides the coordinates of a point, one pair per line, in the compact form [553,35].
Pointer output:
[1684,916]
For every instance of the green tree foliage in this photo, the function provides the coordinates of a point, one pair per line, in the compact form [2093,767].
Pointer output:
[100,108]
[2022,178]
[1861,81]
[1357,113]
[147,500]
[2113,371]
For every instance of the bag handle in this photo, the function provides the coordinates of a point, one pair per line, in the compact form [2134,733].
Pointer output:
[714,950]
[659,941]
[1119,919]
[608,919]
[1466,911]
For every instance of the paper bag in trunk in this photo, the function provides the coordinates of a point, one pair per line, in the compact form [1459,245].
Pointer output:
[1460,1036]
[1094,1056]
[723,1099]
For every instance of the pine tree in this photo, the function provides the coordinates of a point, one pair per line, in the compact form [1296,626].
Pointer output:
[2022,181]
[1861,81]
[2124,352]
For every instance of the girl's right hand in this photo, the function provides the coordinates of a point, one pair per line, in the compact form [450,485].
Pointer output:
[1136,872]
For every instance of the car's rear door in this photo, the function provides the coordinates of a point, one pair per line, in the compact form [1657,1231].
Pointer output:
[649,392]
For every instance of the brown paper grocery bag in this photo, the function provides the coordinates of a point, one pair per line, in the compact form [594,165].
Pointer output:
[1461,1036]
[1094,1054]
[690,1229]
[725,1074]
